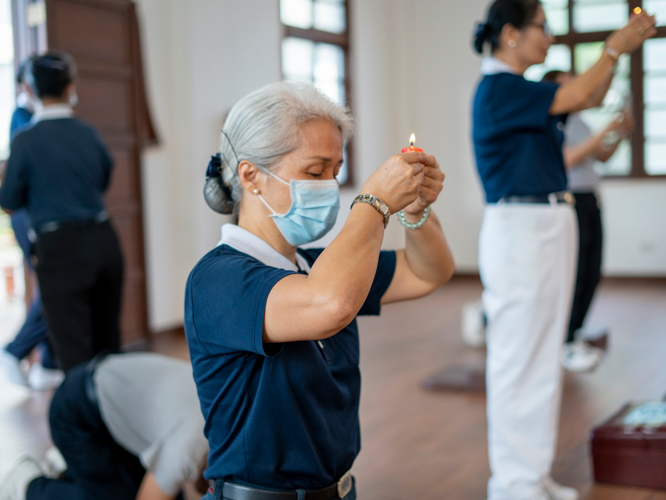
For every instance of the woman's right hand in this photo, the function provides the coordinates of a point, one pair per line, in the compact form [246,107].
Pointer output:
[397,181]
[632,36]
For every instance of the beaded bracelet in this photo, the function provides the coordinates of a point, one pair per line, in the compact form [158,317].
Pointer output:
[414,225]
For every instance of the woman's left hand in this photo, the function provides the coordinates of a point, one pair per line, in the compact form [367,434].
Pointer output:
[431,184]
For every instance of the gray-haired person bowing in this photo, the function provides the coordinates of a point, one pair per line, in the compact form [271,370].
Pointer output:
[271,327]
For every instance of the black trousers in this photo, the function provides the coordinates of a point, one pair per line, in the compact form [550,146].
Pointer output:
[97,467]
[80,272]
[589,258]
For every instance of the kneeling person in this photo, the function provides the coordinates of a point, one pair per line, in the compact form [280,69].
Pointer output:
[128,426]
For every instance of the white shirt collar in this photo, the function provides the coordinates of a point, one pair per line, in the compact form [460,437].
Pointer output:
[244,241]
[52,112]
[493,66]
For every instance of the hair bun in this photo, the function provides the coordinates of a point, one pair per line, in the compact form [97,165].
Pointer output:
[216,193]
[480,36]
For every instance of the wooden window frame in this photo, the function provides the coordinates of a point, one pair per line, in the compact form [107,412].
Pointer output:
[342,40]
[637,72]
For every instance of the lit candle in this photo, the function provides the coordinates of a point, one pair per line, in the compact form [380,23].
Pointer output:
[411,147]
[638,10]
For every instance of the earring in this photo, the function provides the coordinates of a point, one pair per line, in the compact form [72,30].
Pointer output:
[255,191]
[512,44]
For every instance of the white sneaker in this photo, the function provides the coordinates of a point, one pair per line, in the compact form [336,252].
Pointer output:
[14,485]
[581,357]
[555,491]
[54,463]
[11,365]
[44,379]
[473,324]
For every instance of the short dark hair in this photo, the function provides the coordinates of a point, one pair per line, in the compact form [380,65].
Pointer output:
[49,75]
[518,13]
[552,76]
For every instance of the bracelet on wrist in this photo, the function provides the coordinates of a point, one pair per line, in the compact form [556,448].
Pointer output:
[414,225]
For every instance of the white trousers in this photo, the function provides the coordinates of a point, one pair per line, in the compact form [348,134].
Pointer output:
[527,261]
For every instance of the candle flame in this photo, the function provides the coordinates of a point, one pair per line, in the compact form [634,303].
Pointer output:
[637,10]
[412,139]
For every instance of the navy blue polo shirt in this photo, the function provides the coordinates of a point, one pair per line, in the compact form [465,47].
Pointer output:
[20,119]
[281,416]
[518,144]
[58,169]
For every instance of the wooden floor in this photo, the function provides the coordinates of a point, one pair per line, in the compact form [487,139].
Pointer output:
[419,445]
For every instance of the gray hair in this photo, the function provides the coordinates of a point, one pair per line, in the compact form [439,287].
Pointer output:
[262,127]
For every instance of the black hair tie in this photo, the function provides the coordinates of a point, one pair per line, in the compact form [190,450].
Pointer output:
[214,166]
[482,29]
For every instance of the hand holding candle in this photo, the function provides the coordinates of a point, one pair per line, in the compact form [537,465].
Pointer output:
[431,183]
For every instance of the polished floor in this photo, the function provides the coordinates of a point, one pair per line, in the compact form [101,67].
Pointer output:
[419,445]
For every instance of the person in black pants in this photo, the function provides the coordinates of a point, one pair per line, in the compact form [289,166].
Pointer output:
[58,170]
[41,375]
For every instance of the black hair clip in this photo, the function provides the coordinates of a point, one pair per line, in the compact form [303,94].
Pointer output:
[481,29]
[214,166]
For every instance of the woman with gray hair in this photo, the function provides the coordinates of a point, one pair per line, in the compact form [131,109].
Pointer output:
[271,327]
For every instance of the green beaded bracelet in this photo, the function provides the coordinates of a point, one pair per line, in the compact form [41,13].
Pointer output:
[414,225]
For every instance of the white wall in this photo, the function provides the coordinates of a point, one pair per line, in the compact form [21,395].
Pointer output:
[413,71]
[201,56]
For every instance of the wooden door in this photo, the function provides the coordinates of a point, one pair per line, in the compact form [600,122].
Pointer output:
[101,36]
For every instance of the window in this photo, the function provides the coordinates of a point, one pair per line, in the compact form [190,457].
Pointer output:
[580,28]
[315,49]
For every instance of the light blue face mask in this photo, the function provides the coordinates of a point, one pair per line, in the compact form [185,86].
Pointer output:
[314,209]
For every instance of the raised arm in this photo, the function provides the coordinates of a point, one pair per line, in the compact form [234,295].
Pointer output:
[597,146]
[321,304]
[426,262]
[588,89]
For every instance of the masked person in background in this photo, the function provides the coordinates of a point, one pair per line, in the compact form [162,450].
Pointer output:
[585,348]
[271,327]
[58,170]
[528,241]
[43,374]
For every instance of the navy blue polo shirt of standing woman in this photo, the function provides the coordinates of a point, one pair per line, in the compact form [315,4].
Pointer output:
[518,144]
[271,327]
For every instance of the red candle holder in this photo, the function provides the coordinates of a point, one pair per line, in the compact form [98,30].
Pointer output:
[411,147]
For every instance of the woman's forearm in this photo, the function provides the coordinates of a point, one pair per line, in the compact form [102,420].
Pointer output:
[319,305]
[578,94]
[428,254]
[600,92]
[575,155]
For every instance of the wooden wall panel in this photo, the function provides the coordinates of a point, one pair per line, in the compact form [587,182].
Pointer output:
[107,103]
[99,34]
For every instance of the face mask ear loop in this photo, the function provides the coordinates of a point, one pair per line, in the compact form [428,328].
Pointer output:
[275,214]
[273,175]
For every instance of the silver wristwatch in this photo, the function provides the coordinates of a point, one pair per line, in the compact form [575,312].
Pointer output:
[375,203]
[614,54]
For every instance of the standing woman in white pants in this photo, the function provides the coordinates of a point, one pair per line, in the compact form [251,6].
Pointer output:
[528,242]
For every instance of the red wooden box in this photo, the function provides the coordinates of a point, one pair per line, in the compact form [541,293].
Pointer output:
[629,455]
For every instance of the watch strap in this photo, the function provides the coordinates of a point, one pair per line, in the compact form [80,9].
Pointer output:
[375,203]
